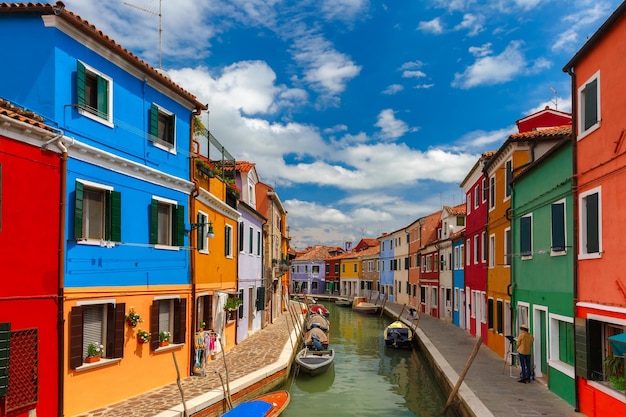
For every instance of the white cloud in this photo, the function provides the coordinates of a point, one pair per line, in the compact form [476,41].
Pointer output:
[491,70]
[393,89]
[344,10]
[472,23]
[411,65]
[432,26]
[424,86]
[578,21]
[413,74]
[391,128]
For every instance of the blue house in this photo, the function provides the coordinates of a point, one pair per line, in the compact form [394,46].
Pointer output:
[458,277]
[126,140]
[386,266]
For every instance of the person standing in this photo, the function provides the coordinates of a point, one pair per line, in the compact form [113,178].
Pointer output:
[524,345]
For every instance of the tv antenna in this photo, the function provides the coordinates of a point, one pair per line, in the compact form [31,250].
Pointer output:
[152,12]
[556,98]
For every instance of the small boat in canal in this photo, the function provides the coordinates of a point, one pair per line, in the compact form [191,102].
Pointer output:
[361,305]
[319,309]
[398,335]
[315,362]
[271,404]
[343,302]
[316,339]
[318,321]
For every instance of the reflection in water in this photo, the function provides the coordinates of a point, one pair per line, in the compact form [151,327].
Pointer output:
[367,378]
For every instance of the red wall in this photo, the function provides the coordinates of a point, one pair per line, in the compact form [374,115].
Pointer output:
[29,239]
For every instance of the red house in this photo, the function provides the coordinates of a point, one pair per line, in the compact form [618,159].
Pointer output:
[30,205]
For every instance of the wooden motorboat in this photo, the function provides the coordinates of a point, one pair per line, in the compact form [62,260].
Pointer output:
[315,362]
[318,321]
[271,404]
[319,309]
[343,302]
[316,339]
[361,305]
[398,335]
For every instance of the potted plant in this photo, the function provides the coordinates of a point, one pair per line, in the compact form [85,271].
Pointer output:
[231,305]
[205,168]
[133,318]
[614,368]
[94,352]
[143,336]
[164,338]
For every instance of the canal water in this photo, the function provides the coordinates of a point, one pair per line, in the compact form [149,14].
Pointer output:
[367,379]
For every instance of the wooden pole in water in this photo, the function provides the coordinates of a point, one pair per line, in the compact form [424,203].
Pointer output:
[382,307]
[180,387]
[401,311]
[462,377]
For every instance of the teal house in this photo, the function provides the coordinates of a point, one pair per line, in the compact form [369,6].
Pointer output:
[542,258]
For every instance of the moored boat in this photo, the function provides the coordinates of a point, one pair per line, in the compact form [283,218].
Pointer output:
[315,362]
[318,321]
[316,339]
[271,404]
[319,309]
[343,302]
[398,335]
[361,305]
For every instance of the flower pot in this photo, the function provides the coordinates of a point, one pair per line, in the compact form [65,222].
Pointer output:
[164,343]
[92,359]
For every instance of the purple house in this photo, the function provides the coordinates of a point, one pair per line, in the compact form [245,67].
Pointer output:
[308,270]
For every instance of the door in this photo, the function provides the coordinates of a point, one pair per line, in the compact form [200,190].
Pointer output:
[250,307]
[462,309]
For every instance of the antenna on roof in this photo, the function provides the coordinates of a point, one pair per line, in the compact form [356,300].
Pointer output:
[556,99]
[152,12]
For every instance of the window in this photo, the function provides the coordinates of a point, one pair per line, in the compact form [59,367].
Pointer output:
[201,232]
[526,245]
[241,239]
[592,342]
[500,316]
[509,178]
[101,323]
[469,203]
[315,269]
[456,299]
[558,228]
[590,223]
[94,94]
[167,222]
[490,313]
[589,106]
[492,251]
[492,193]
[258,243]
[476,196]
[460,221]
[434,300]
[562,342]
[250,239]
[507,246]
[162,128]
[97,212]
[483,250]
[485,190]
[423,295]
[336,268]
[474,304]
[468,259]
[483,307]
[343,268]
[354,267]
[429,263]
[168,315]
[462,255]
[228,241]
[476,248]
[19,368]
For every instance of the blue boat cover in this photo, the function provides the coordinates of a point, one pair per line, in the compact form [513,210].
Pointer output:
[618,344]
[250,409]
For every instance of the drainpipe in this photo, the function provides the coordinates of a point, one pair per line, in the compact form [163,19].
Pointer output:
[570,72]
[58,141]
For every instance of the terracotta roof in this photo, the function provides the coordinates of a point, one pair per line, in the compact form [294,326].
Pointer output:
[25,116]
[84,26]
[316,253]
[373,250]
[456,210]
[244,166]
[551,132]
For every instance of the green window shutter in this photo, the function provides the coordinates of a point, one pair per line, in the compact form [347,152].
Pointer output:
[78,211]
[103,98]
[179,226]
[76,337]
[171,130]
[593,238]
[81,78]
[154,121]
[241,231]
[115,217]
[154,222]
[240,295]
[5,340]
[591,104]
[525,235]
[260,298]
[558,227]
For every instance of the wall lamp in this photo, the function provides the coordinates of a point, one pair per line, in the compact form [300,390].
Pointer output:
[209,232]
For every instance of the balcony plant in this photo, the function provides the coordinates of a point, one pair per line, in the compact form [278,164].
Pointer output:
[232,304]
[205,168]
[133,318]
[164,338]
[614,368]
[94,351]
[143,336]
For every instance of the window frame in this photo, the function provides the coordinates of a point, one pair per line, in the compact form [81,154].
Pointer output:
[582,106]
[228,241]
[102,99]
[508,176]
[202,240]
[110,218]
[157,115]
[176,227]
[562,227]
[177,321]
[508,246]
[526,236]
[555,354]
[583,223]
[492,192]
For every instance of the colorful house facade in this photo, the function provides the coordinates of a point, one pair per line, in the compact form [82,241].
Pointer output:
[308,270]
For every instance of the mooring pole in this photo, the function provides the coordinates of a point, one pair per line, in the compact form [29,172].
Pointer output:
[462,377]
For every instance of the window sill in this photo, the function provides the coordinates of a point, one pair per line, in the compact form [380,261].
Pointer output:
[167,247]
[608,389]
[562,367]
[168,347]
[102,362]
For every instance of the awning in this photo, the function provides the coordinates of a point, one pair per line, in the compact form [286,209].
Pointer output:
[618,344]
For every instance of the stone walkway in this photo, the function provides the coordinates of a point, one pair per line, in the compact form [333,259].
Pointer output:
[488,389]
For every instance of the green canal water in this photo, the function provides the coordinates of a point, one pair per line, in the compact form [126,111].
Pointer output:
[367,379]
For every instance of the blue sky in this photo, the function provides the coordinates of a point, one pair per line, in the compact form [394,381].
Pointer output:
[363,115]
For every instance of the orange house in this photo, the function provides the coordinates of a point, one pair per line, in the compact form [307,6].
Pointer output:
[599,107]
